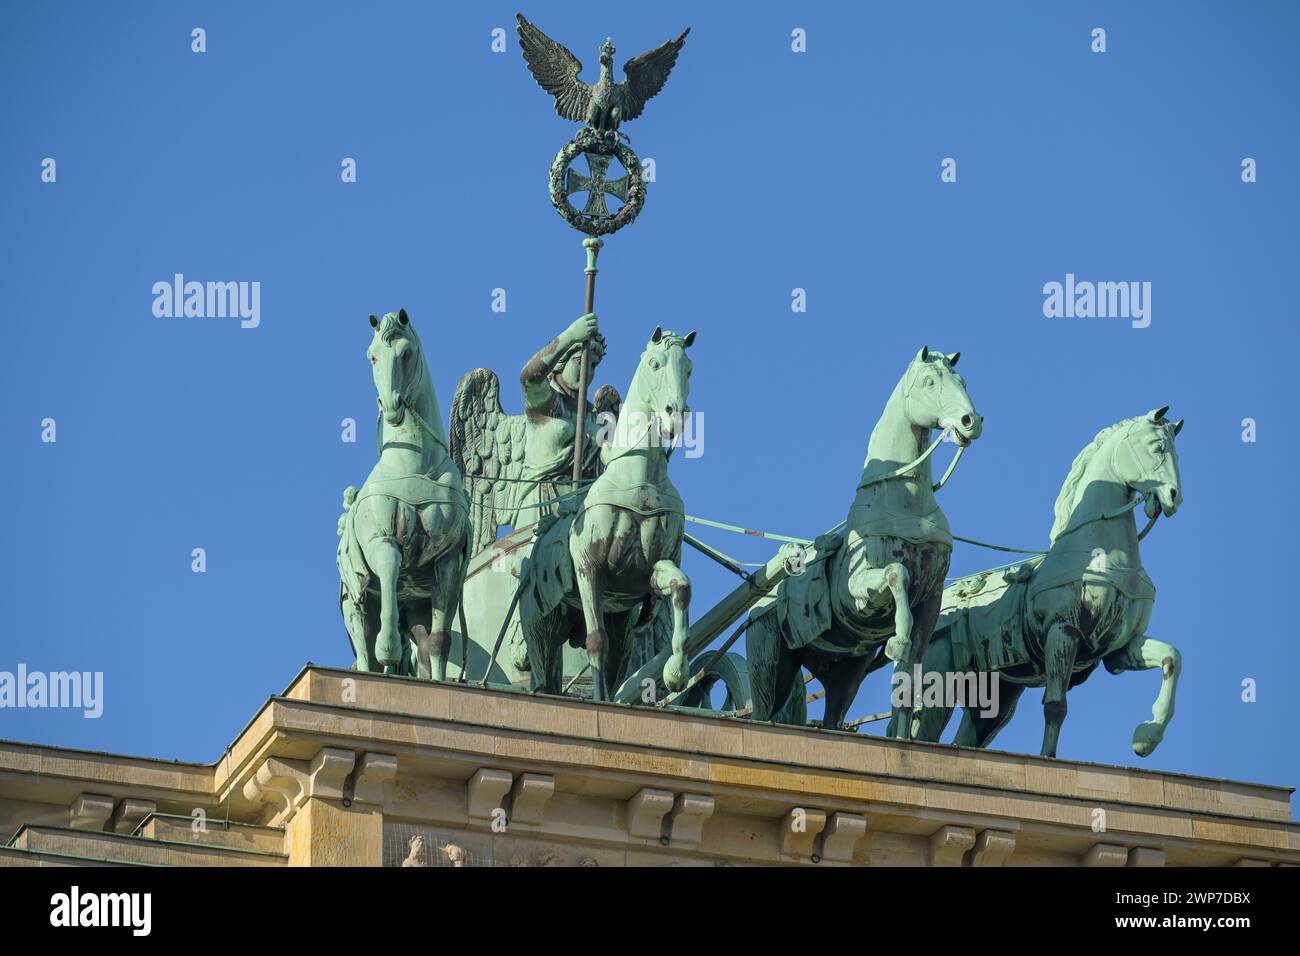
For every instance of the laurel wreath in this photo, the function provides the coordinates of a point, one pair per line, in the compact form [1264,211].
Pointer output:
[598,225]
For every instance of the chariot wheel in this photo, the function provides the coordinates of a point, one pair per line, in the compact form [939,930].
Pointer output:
[733,671]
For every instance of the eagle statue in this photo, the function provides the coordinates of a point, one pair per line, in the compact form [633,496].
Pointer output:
[606,104]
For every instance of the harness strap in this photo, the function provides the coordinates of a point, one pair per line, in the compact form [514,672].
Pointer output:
[902,472]
[905,470]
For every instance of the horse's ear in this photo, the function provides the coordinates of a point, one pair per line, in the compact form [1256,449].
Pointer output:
[374,321]
[923,355]
[658,334]
[1178,426]
[1156,414]
[690,339]
[403,317]
[952,359]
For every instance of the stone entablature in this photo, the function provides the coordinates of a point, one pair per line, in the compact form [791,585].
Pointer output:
[363,769]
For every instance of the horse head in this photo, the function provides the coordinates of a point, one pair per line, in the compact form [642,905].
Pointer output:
[935,396]
[1144,458]
[661,386]
[397,361]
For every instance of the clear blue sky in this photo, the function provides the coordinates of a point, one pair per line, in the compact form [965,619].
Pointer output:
[775,170]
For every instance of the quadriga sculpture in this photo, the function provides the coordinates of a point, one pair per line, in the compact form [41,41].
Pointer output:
[876,593]
[597,571]
[404,536]
[1051,621]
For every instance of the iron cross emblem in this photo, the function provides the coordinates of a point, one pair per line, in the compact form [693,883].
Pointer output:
[596,185]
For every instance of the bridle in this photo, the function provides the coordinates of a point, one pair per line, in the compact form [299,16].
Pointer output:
[1140,498]
[906,470]
[410,410]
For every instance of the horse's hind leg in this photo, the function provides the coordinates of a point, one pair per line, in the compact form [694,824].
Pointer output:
[978,729]
[619,627]
[925,616]
[930,722]
[419,618]
[841,679]
[1059,650]
[442,611]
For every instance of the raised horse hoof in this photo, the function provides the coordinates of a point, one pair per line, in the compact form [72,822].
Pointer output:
[1147,737]
[898,650]
[675,672]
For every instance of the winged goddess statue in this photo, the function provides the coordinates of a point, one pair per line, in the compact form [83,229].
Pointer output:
[514,466]
[606,104]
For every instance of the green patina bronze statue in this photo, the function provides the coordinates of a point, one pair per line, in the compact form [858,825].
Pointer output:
[603,107]
[874,592]
[597,571]
[519,467]
[404,534]
[606,104]
[590,565]
[1088,600]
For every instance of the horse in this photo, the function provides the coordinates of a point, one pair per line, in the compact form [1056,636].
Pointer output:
[597,572]
[873,592]
[405,533]
[1088,600]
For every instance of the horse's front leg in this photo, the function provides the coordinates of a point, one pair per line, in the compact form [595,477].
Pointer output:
[668,580]
[385,560]
[1143,653]
[590,592]
[866,586]
[376,523]
[1059,650]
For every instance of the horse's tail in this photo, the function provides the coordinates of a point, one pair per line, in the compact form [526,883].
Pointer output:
[764,646]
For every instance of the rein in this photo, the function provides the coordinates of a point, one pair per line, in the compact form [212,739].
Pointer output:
[925,455]
[1114,513]
[1117,512]
[379,431]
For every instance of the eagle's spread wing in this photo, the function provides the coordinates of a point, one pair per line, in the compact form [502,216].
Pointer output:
[488,448]
[646,75]
[556,71]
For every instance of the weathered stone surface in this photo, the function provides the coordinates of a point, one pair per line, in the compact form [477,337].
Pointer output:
[585,798]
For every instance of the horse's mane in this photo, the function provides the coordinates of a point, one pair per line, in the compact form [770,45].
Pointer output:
[1068,498]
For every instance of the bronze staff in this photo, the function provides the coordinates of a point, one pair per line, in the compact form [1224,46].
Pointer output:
[593,247]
